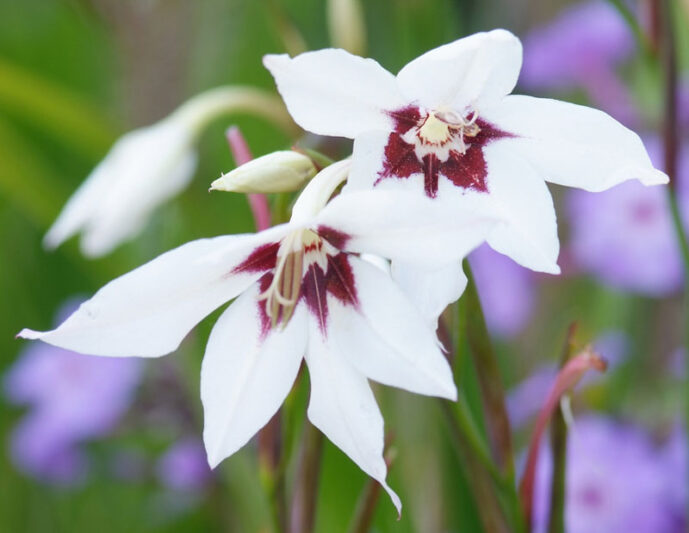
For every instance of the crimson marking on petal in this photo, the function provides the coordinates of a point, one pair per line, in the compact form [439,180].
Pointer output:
[261,259]
[468,170]
[266,323]
[465,170]
[340,280]
[431,167]
[400,159]
[335,237]
[405,118]
[315,293]
[337,280]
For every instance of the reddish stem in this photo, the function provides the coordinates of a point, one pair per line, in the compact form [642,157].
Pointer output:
[566,379]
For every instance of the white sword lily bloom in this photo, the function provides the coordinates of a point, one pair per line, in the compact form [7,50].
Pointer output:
[302,292]
[448,128]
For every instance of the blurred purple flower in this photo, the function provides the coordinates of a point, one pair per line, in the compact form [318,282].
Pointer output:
[526,399]
[184,466]
[72,398]
[506,290]
[581,48]
[38,448]
[616,481]
[676,465]
[624,236]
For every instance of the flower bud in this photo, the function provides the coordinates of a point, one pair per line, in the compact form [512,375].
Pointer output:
[283,171]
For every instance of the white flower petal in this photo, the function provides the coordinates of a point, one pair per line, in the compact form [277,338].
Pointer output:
[431,290]
[332,92]
[343,407]
[407,226]
[143,169]
[245,375]
[573,145]
[128,205]
[529,235]
[386,338]
[367,161]
[148,311]
[474,71]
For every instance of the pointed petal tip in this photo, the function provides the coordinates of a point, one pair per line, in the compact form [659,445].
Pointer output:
[273,60]
[29,334]
[654,177]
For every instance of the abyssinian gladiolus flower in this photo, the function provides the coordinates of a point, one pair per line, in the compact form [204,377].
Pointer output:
[147,167]
[302,293]
[447,127]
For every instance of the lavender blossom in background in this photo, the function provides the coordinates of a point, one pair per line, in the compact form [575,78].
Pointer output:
[525,400]
[507,291]
[71,398]
[676,465]
[624,236]
[581,49]
[184,466]
[616,481]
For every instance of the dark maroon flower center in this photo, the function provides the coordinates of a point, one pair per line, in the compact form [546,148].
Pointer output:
[438,145]
[306,267]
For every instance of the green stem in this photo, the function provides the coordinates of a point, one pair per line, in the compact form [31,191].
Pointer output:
[304,512]
[558,444]
[489,379]
[672,147]
[630,18]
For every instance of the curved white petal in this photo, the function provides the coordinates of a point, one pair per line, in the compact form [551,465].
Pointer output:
[148,311]
[246,374]
[332,92]
[573,145]
[408,226]
[386,338]
[474,71]
[529,235]
[431,290]
[143,169]
[343,407]
[367,161]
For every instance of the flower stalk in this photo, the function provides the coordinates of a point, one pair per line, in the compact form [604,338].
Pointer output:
[663,13]
[305,500]
[558,445]
[565,381]
[489,378]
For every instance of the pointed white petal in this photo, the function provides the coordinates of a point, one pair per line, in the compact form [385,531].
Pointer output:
[143,169]
[332,92]
[474,71]
[247,374]
[81,207]
[431,290]
[530,234]
[386,338]
[573,145]
[343,407]
[148,311]
[407,226]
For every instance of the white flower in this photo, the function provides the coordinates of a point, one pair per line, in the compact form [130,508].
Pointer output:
[145,168]
[447,127]
[302,292]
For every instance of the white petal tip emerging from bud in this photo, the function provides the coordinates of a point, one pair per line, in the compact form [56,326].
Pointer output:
[283,171]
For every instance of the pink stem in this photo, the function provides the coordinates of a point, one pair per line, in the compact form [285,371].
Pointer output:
[241,153]
[566,379]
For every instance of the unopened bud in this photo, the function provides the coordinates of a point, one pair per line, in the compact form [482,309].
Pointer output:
[283,171]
